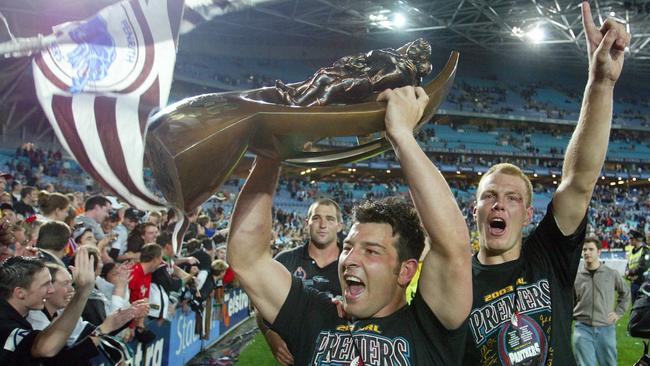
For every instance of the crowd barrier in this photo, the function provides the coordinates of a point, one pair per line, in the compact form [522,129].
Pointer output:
[177,341]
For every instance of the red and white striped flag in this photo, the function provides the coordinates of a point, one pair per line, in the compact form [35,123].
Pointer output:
[99,82]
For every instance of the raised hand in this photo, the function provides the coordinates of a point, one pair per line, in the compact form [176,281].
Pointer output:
[605,46]
[140,307]
[83,271]
[116,320]
[405,108]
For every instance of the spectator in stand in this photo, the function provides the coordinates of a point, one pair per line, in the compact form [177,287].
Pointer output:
[77,202]
[6,198]
[25,284]
[170,258]
[8,213]
[143,234]
[4,177]
[119,246]
[140,283]
[167,281]
[209,228]
[54,206]
[16,188]
[96,210]
[59,300]
[28,197]
[155,218]
[204,255]
[192,228]
[52,241]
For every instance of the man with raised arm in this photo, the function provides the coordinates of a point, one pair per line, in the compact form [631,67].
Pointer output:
[25,284]
[523,289]
[378,259]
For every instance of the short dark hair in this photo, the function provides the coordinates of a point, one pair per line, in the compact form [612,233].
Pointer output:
[53,235]
[26,191]
[96,200]
[192,245]
[593,239]
[18,272]
[164,238]
[207,244]
[325,202]
[150,252]
[402,218]
[7,206]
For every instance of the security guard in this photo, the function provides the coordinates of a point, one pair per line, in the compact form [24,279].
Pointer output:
[638,262]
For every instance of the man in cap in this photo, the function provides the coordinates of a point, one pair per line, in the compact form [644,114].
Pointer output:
[637,263]
[118,249]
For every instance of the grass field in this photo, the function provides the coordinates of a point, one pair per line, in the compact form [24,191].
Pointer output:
[629,349]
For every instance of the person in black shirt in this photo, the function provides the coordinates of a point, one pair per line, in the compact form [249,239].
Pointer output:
[315,263]
[378,259]
[28,197]
[25,284]
[204,255]
[523,289]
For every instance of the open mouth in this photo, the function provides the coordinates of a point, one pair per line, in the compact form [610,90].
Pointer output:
[354,287]
[497,226]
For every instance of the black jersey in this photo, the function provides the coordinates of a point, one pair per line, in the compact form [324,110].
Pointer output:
[301,265]
[316,335]
[522,309]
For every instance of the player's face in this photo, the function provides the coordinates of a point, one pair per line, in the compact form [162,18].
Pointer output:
[368,271]
[590,253]
[63,290]
[501,214]
[39,290]
[323,225]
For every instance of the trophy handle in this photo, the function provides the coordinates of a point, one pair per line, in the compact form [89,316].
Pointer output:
[437,91]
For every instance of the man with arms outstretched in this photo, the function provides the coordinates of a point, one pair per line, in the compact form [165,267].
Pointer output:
[378,259]
[523,290]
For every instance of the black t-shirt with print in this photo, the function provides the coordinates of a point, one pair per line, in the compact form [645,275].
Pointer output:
[301,265]
[540,283]
[316,335]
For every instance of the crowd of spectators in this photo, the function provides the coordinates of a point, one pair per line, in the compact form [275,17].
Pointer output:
[134,259]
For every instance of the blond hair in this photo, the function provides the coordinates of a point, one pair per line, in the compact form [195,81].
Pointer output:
[510,169]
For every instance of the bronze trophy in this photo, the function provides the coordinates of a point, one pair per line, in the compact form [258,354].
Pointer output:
[194,145]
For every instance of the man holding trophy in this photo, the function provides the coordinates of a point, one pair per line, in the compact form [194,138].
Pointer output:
[378,260]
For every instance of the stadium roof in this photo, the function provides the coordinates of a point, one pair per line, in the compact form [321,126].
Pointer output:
[502,28]
[479,28]
[495,27]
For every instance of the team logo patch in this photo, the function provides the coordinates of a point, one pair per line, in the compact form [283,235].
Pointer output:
[15,338]
[98,56]
[522,342]
[300,273]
